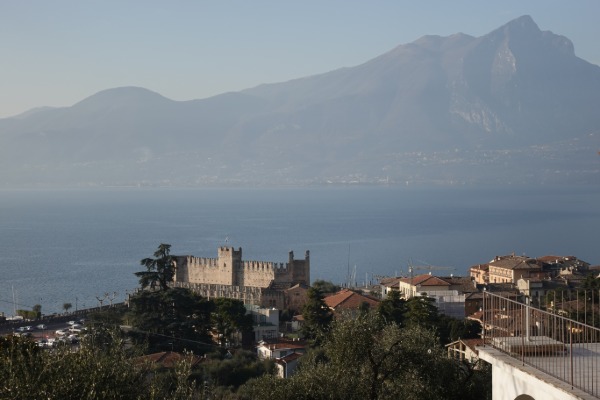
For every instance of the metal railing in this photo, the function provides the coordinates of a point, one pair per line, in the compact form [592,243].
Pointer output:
[546,340]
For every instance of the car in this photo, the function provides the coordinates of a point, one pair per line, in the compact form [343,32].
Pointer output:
[28,328]
[41,327]
[22,329]
[61,332]
[73,339]
[71,323]
[45,342]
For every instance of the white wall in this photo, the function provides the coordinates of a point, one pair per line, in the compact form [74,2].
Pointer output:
[510,379]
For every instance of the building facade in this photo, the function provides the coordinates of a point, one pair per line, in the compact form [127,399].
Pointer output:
[510,268]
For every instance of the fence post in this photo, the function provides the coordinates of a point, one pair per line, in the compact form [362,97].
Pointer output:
[571,351]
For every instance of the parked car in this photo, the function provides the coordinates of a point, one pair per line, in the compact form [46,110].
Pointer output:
[71,323]
[41,327]
[45,342]
[61,332]
[73,339]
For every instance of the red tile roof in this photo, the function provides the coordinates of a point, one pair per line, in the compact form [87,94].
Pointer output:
[283,344]
[389,281]
[348,299]
[514,262]
[425,280]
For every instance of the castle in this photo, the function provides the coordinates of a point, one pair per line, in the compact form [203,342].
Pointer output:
[262,283]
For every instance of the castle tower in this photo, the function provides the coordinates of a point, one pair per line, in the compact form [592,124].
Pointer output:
[300,269]
[229,261]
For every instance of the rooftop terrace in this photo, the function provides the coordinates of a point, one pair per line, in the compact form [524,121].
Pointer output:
[556,349]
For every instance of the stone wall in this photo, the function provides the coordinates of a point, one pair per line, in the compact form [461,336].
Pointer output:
[229,269]
[249,295]
[295,297]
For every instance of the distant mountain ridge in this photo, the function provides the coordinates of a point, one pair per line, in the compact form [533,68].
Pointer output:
[450,110]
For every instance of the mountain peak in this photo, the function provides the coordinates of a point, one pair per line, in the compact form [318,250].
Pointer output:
[524,22]
[124,95]
[522,27]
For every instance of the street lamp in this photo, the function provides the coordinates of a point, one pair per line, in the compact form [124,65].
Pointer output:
[100,300]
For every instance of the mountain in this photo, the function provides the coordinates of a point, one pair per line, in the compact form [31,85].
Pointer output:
[513,106]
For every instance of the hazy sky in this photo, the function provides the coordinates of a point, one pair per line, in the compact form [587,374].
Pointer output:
[56,53]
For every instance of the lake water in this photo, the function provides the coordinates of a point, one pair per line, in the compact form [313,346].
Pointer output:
[74,245]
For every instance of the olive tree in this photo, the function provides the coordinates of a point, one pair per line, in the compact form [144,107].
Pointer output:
[365,357]
[106,371]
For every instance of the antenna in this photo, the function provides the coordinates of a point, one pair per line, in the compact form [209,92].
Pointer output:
[352,278]
[348,277]
[14,302]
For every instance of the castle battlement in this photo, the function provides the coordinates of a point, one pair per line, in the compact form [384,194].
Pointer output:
[229,269]
[209,262]
[253,265]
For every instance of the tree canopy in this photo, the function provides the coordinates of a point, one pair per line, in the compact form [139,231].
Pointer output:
[367,358]
[317,316]
[229,316]
[393,308]
[325,286]
[159,271]
[92,372]
[175,312]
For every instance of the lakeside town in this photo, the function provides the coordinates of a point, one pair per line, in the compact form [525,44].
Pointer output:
[317,135]
[270,319]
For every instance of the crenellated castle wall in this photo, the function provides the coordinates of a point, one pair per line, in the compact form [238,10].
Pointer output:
[229,269]
[200,270]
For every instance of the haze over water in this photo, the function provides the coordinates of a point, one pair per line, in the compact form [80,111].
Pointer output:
[73,245]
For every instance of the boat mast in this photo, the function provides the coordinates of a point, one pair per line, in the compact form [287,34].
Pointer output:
[14,302]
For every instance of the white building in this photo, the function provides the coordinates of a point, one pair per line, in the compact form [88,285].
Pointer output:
[285,353]
[266,322]
[448,292]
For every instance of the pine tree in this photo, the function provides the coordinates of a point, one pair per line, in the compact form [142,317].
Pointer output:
[317,316]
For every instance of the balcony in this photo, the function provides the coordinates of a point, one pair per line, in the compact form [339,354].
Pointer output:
[544,344]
